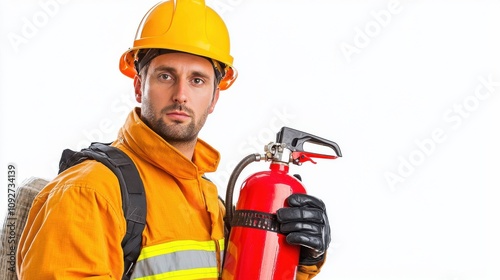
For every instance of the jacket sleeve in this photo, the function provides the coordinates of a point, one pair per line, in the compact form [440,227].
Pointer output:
[306,272]
[72,232]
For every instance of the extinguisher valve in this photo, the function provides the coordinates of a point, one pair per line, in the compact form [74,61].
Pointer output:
[277,152]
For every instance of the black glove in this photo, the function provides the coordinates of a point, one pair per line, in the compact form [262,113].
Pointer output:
[305,223]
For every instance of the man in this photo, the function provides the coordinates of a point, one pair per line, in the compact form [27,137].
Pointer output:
[180,61]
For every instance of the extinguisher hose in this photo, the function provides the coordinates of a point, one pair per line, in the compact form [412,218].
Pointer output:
[232,182]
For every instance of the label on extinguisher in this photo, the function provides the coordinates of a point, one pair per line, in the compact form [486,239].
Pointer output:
[254,219]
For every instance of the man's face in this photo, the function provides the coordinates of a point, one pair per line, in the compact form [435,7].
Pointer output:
[177,94]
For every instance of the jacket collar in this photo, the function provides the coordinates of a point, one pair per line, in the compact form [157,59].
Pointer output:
[148,145]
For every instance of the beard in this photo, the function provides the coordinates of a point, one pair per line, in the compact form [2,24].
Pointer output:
[178,132]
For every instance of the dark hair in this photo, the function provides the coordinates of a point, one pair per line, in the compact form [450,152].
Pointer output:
[144,57]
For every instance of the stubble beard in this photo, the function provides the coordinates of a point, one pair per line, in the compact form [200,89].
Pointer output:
[178,133]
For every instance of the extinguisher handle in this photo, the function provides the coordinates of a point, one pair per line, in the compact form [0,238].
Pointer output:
[295,139]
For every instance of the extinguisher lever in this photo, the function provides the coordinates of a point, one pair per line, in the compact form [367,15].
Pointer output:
[295,139]
[301,157]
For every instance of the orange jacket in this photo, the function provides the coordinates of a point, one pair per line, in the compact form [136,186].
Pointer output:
[76,224]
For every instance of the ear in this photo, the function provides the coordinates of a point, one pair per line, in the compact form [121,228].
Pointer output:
[215,98]
[138,88]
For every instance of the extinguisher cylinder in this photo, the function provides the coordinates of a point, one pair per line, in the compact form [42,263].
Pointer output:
[256,249]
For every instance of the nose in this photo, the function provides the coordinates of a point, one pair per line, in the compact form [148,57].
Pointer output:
[180,92]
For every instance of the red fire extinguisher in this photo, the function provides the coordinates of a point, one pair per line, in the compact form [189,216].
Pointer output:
[256,249]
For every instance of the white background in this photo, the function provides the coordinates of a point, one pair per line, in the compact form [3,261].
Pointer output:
[408,89]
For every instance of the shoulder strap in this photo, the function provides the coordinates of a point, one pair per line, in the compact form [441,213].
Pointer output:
[132,192]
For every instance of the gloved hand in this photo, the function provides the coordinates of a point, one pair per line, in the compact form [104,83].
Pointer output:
[305,223]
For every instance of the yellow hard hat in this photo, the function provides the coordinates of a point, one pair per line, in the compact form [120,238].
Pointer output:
[186,26]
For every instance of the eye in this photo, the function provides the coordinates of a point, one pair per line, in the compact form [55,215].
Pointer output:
[198,81]
[165,76]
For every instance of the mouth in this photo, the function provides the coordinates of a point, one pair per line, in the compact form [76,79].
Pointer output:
[178,115]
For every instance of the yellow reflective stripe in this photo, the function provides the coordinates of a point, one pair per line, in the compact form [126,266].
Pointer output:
[221,244]
[195,273]
[179,246]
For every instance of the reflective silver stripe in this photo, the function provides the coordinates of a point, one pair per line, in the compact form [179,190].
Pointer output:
[175,261]
[182,259]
